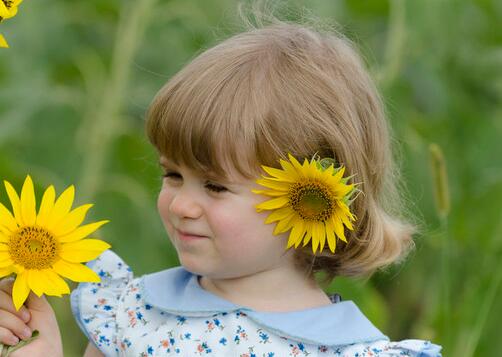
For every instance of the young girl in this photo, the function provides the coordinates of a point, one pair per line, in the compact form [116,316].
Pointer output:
[277,165]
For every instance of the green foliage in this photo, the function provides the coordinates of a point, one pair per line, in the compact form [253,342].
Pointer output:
[79,75]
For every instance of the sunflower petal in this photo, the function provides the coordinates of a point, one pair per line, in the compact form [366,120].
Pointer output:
[61,207]
[330,235]
[6,271]
[28,210]
[71,221]
[76,272]
[3,42]
[284,224]
[287,167]
[279,214]
[280,174]
[83,250]
[15,202]
[7,220]
[5,263]
[274,184]
[342,190]
[36,281]
[297,232]
[56,285]
[20,289]
[273,203]
[308,235]
[46,205]
[339,173]
[4,11]
[82,232]
[3,238]
[322,241]
[318,235]
[296,163]
[339,229]
[271,193]
[346,221]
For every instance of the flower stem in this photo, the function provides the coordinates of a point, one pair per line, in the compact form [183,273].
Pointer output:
[105,125]
[484,310]
[442,200]
[445,279]
[5,350]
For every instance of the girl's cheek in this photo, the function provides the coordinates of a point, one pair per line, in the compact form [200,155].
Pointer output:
[163,202]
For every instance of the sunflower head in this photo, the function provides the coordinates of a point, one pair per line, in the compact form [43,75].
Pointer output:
[310,199]
[42,247]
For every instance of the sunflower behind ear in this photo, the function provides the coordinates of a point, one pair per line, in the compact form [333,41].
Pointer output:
[311,199]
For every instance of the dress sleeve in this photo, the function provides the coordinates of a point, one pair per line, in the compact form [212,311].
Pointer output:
[383,348]
[94,305]
[418,348]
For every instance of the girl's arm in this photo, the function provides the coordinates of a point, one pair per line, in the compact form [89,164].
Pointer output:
[92,351]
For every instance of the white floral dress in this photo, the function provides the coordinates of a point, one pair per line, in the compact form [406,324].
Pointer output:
[168,314]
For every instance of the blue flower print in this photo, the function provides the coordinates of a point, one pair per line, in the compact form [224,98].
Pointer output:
[203,347]
[264,338]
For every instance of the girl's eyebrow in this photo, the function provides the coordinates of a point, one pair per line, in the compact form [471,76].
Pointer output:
[164,162]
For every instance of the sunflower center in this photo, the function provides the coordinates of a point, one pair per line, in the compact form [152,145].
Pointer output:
[33,248]
[312,200]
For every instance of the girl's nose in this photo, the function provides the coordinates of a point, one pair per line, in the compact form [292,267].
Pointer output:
[184,205]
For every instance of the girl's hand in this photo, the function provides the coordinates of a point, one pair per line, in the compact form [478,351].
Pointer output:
[36,314]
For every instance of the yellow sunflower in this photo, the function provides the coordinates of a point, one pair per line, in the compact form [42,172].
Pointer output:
[311,199]
[42,248]
[8,9]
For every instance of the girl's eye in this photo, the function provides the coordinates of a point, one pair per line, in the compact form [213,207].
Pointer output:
[215,188]
[172,175]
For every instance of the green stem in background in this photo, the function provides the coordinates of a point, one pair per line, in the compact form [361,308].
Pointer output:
[446,280]
[104,127]
[442,199]
[485,307]
[394,49]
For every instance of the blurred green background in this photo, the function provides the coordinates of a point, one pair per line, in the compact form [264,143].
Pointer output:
[79,75]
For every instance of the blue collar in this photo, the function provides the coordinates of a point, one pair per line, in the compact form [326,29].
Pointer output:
[178,292]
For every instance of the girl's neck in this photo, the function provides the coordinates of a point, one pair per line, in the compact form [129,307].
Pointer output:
[268,291]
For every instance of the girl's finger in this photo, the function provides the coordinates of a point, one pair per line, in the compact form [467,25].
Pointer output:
[6,284]
[6,303]
[15,325]
[7,337]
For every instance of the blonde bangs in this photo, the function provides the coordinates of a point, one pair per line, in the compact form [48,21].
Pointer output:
[206,117]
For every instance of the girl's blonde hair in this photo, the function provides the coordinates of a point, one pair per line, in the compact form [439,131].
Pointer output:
[288,88]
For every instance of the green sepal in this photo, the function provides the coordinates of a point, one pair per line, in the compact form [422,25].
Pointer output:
[5,350]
